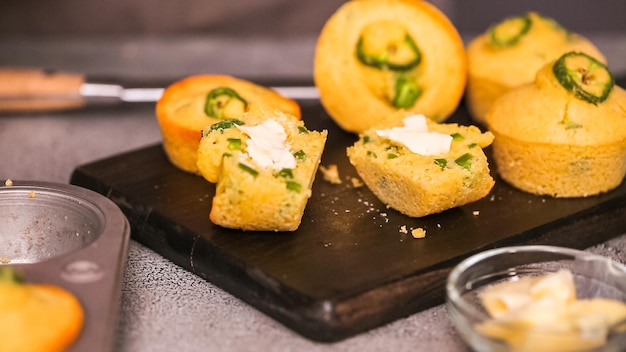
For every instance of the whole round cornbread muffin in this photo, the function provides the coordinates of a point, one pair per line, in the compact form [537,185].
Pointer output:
[564,135]
[37,317]
[420,167]
[374,57]
[190,105]
[511,52]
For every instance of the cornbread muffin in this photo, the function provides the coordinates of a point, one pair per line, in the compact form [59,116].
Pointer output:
[564,135]
[511,52]
[190,105]
[36,317]
[423,167]
[264,165]
[375,57]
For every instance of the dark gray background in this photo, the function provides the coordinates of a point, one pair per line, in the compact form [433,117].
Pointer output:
[268,17]
[163,40]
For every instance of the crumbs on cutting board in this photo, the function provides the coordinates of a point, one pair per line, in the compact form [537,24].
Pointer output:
[331,173]
[8,182]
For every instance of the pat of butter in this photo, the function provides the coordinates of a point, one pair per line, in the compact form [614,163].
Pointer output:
[552,289]
[267,145]
[417,138]
[542,314]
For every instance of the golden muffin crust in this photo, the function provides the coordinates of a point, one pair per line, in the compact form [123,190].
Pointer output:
[37,317]
[494,68]
[549,142]
[375,57]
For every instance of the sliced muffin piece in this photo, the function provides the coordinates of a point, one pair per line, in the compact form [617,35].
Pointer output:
[264,165]
[190,105]
[420,167]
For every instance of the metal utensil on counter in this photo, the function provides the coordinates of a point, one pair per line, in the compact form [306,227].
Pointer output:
[27,89]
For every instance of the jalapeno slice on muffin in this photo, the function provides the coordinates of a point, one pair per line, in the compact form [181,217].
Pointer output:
[589,79]
[387,45]
[224,102]
[406,92]
[509,31]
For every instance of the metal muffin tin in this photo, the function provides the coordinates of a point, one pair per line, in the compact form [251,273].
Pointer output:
[71,237]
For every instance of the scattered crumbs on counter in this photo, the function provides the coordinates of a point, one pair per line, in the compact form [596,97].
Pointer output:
[476,212]
[418,233]
[356,183]
[403,229]
[543,200]
[156,186]
[8,182]
[327,244]
[439,226]
[330,174]
[31,194]
[492,198]
[347,210]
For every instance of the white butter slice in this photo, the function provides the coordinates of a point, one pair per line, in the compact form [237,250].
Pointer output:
[267,145]
[417,138]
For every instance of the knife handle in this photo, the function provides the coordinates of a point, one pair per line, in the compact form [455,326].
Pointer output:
[23,89]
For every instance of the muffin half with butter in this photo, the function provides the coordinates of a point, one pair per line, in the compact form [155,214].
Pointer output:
[264,164]
[420,167]
[563,135]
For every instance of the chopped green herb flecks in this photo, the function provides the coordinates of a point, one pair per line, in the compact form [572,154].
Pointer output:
[300,155]
[509,31]
[227,155]
[366,139]
[224,102]
[222,125]
[248,169]
[285,173]
[303,129]
[442,163]
[371,153]
[472,145]
[569,124]
[392,156]
[294,186]
[464,161]
[234,143]
[457,137]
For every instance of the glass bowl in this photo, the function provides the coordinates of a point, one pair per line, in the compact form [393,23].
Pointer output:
[594,276]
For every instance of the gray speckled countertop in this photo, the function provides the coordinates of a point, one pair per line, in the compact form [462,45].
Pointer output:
[163,307]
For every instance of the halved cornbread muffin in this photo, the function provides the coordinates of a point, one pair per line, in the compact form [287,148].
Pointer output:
[264,165]
[420,167]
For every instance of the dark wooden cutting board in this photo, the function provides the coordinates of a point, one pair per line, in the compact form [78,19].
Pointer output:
[350,266]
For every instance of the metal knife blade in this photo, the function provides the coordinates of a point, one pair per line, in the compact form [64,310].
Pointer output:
[147,95]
